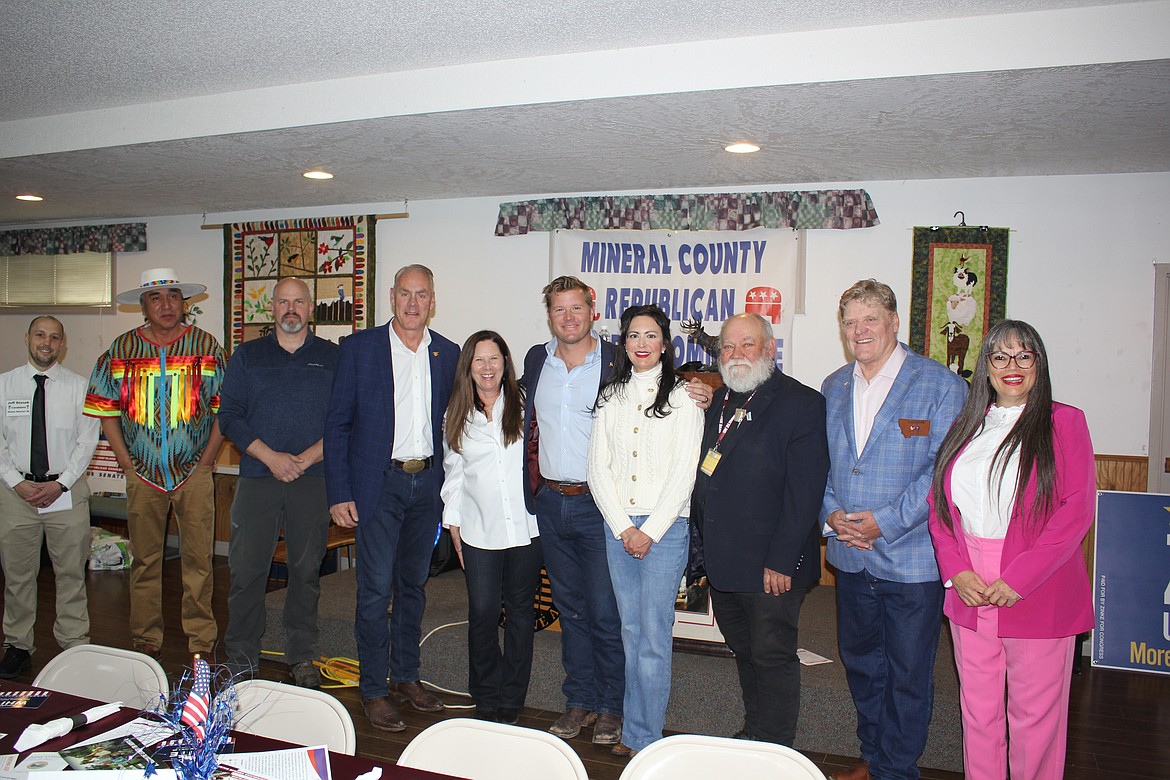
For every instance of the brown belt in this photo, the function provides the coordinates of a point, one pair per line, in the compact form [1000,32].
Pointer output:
[568,488]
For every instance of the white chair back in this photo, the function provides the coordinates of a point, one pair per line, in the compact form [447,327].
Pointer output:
[106,674]
[694,755]
[299,715]
[482,750]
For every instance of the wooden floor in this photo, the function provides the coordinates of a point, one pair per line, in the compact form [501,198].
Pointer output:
[1119,721]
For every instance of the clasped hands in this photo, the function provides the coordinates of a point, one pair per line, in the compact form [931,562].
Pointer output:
[856,529]
[38,494]
[976,593]
[287,467]
[636,542]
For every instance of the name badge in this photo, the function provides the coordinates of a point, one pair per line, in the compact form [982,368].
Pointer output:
[710,461]
[19,407]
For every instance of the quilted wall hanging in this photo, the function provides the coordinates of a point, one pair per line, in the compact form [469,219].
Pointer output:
[959,290]
[333,255]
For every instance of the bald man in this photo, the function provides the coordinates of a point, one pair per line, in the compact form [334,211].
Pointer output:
[272,406]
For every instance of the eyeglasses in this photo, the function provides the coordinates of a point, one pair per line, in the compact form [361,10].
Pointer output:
[1024,360]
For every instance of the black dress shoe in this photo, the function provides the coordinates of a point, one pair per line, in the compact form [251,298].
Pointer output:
[508,715]
[15,661]
[482,713]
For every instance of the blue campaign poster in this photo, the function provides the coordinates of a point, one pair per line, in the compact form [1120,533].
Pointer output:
[1131,582]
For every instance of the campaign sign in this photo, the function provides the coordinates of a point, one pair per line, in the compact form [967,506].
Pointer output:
[1131,582]
[707,276]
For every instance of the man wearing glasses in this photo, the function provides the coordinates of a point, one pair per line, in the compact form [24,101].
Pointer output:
[888,412]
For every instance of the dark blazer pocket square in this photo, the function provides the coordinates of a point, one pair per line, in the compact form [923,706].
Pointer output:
[914,427]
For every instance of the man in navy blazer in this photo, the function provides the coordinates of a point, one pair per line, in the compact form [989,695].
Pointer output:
[888,412]
[383,471]
[759,487]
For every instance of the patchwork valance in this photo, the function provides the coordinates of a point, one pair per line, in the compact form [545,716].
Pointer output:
[129,237]
[810,209]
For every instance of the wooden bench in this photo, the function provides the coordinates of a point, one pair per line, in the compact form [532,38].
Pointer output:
[339,539]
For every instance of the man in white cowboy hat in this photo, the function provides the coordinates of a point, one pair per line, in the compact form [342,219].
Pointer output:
[156,391]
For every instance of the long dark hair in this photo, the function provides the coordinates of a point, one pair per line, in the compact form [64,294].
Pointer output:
[622,368]
[465,399]
[1032,434]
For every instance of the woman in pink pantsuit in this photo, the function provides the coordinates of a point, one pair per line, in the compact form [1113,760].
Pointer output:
[1012,499]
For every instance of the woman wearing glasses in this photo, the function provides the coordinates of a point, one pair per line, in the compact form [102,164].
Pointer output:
[1011,501]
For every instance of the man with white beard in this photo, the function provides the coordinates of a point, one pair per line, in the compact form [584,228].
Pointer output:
[272,406]
[761,478]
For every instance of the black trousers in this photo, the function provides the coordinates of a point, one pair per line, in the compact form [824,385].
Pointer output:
[761,630]
[509,577]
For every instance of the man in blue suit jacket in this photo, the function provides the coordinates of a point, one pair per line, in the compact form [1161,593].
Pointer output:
[888,412]
[383,471]
[760,482]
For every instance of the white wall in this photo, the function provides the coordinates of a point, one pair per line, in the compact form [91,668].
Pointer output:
[1080,270]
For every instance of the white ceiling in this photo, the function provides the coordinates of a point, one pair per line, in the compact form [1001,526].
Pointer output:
[128,108]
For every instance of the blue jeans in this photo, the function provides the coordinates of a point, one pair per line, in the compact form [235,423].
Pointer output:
[512,576]
[888,636]
[646,590]
[573,533]
[394,549]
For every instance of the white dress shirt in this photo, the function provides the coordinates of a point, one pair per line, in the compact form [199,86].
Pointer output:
[984,502]
[71,437]
[412,398]
[483,491]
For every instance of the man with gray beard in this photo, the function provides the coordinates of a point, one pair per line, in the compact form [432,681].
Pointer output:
[272,406]
[761,478]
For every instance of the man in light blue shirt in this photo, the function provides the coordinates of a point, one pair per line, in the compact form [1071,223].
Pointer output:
[562,378]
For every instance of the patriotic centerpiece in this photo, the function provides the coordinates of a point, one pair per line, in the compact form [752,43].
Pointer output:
[203,719]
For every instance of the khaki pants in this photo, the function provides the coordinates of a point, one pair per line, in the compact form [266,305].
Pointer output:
[147,510]
[67,538]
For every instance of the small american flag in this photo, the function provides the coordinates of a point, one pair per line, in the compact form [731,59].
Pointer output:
[198,700]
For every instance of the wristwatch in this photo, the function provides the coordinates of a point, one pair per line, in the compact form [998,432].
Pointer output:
[64,487]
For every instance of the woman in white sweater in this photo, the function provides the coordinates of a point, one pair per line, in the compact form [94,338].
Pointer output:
[642,458]
[495,537]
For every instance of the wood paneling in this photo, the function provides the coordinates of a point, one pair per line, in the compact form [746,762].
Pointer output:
[1122,472]
[225,493]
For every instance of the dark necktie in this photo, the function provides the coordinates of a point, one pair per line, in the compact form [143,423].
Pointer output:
[38,454]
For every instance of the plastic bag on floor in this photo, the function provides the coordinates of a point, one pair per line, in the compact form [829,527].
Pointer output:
[109,551]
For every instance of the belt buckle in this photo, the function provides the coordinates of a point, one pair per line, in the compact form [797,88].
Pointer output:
[414,465]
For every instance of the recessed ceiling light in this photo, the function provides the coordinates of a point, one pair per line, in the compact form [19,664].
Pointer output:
[32,198]
[743,147]
[317,175]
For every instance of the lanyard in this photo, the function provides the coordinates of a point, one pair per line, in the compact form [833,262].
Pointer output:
[736,418]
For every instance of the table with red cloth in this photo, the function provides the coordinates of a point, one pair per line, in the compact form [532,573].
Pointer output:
[13,721]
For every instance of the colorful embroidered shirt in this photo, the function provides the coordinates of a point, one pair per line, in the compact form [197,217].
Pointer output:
[167,398]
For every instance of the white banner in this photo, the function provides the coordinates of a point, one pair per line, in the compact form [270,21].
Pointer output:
[705,275]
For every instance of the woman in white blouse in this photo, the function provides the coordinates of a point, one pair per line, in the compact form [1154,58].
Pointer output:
[1013,497]
[642,458]
[494,536]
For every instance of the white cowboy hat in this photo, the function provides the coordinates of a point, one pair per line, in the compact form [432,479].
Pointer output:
[156,279]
